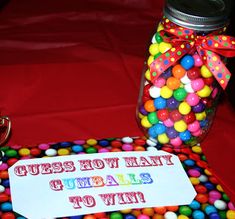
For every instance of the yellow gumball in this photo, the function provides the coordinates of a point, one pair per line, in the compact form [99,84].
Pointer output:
[147,75]
[24,152]
[164,47]
[200,116]
[166,92]
[205,72]
[182,217]
[194,180]
[91,141]
[230,214]
[180,126]
[197,149]
[153,49]
[150,60]
[204,92]
[184,108]
[162,138]
[160,27]
[145,123]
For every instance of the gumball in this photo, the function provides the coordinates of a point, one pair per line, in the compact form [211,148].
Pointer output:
[162,114]
[184,108]
[164,47]
[175,115]
[197,60]
[158,37]
[176,142]
[145,122]
[167,73]
[180,126]
[194,126]
[200,107]
[171,132]
[152,118]
[205,72]
[192,99]
[159,82]
[142,110]
[200,116]
[198,215]
[146,90]
[159,103]
[149,106]
[197,84]
[162,138]
[150,60]
[185,136]
[208,81]
[189,118]
[172,103]
[173,83]
[154,91]
[153,49]
[151,132]
[185,210]
[185,79]
[197,133]
[188,88]
[204,92]
[168,122]
[147,75]
[166,92]
[178,71]
[193,73]
[187,62]
[180,94]
[159,128]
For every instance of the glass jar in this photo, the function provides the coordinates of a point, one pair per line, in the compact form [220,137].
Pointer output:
[185,72]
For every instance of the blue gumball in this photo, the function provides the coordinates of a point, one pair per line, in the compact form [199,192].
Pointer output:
[187,62]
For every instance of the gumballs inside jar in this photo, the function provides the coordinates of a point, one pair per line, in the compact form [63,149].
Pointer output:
[183,77]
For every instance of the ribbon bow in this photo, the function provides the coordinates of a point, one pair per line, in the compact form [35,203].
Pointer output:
[186,41]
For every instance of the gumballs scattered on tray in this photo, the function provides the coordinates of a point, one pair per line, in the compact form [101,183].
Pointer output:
[210,202]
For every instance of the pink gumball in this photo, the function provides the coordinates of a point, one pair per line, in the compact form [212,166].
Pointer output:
[197,60]
[194,126]
[176,142]
[197,133]
[192,99]
[168,122]
[160,82]
[197,84]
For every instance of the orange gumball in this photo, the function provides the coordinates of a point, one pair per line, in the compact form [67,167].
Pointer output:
[173,83]
[149,106]
[172,208]
[160,210]
[178,71]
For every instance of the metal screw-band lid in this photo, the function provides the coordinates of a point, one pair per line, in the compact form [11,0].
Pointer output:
[201,15]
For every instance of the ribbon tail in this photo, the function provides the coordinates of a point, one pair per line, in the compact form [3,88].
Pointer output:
[167,59]
[217,68]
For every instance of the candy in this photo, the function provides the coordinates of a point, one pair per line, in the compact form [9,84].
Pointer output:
[164,47]
[178,71]
[187,62]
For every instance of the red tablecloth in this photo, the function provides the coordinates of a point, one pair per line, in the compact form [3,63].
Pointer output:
[71,69]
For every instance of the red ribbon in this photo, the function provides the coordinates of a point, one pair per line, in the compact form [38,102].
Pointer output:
[186,41]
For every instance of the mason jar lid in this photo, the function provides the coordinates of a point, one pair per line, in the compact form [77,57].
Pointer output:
[200,15]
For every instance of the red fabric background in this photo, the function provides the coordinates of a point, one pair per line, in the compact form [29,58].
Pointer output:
[71,69]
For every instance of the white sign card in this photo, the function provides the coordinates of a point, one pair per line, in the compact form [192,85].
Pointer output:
[90,183]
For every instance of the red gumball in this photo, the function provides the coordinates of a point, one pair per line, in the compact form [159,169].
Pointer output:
[193,73]
[146,90]
[162,114]
[189,118]
[208,81]
[175,115]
